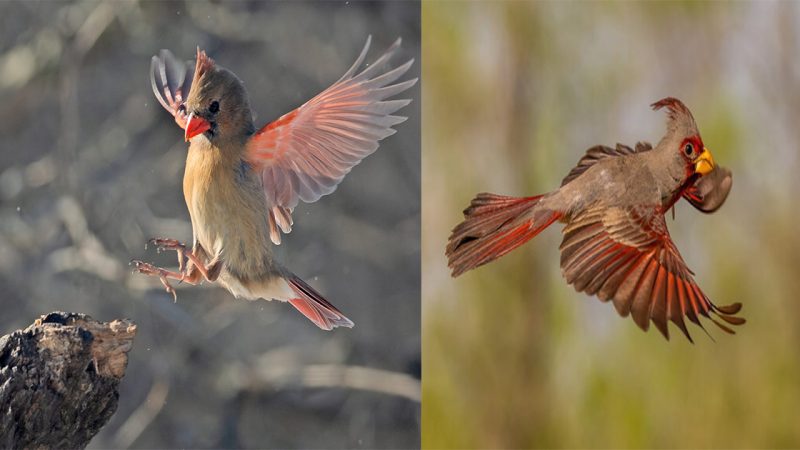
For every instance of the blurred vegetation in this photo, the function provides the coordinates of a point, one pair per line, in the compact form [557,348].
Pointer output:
[91,167]
[514,93]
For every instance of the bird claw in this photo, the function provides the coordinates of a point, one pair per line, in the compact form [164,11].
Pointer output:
[167,244]
[170,244]
[149,269]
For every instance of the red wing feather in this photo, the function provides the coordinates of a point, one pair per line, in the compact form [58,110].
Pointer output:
[306,153]
[626,255]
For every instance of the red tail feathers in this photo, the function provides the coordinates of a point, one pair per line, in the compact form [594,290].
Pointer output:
[493,226]
[312,305]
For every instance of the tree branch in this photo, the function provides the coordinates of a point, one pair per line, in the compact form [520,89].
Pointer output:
[59,379]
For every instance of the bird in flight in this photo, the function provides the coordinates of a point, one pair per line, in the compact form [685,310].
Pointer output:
[241,183]
[616,244]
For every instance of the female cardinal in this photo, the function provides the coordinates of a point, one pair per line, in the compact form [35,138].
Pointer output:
[241,185]
[616,244]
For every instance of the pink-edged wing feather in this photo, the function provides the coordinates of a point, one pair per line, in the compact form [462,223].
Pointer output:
[306,153]
[171,80]
[626,255]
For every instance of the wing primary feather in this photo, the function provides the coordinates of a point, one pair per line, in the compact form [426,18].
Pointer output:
[619,262]
[372,85]
[274,234]
[640,308]
[599,264]
[730,309]
[579,268]
[658,302]
[306,153]
[625,284]
[154,63]
[375,66]
[358,62]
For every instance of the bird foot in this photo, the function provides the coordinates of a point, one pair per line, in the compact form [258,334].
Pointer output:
[167,244]
[163,274]
[171,244]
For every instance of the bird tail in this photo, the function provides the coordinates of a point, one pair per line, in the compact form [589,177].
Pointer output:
[493,226]
[312,305]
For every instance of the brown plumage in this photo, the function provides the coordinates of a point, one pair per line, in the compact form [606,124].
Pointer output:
[616,244]
[241,185]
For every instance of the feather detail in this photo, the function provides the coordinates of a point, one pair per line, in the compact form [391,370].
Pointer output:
[679,118]
[171,82]
[314,306]
[493,226]
[626,255]
[306,153]
[599,153]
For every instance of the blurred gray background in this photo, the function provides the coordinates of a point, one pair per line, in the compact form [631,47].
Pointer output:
[91,167]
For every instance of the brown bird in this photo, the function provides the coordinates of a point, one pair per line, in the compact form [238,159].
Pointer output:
[242,184]
[616,244]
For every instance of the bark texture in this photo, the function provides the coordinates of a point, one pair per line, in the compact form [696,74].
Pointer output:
[59,379]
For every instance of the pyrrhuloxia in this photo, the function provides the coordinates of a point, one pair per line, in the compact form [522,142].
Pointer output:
[241,184]
[616,244]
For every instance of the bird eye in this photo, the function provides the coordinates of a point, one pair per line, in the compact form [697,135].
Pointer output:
[214,108]
[688,150]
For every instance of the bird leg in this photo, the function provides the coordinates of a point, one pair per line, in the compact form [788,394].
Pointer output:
[163,274]
[189,273]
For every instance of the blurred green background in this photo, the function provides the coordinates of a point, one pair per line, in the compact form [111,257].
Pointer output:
[514,93]
[91,167]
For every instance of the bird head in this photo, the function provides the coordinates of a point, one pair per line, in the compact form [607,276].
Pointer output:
[217,104]
[683,141]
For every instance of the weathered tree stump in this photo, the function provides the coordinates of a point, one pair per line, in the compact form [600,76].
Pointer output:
[59,379]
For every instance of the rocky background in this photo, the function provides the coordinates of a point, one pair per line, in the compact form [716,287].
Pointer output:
[91,167]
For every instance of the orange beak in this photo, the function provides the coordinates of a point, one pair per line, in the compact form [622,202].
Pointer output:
[704,163]
[195,125]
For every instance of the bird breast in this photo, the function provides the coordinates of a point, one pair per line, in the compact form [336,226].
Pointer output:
[228,211]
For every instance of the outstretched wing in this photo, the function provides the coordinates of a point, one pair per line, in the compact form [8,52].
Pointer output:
[709,192]
[626,255]
[306,153]
[171,80]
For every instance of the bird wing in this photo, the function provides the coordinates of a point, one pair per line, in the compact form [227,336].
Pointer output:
[600,152]
[306,153]
[626,254]
[171,80]
[709,192]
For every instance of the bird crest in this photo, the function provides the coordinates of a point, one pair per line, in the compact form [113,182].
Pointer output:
[203,66]
[679,118]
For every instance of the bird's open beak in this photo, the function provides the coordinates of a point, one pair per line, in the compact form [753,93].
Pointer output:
[703,164]
[195,125]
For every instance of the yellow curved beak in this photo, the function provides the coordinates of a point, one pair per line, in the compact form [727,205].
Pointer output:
[704,163]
